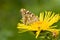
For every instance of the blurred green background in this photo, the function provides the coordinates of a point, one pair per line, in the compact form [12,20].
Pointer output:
[10,16]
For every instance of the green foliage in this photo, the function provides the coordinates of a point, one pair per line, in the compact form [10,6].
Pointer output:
[10,16]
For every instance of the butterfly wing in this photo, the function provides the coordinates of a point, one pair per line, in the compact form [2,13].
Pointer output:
[28,17]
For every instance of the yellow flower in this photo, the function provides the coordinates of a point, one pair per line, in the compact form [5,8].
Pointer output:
[46,20]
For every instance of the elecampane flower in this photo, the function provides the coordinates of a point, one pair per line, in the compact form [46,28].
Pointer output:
[45,22]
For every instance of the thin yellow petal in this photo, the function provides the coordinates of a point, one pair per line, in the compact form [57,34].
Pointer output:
[51,30]
[23,26]
[53,20]
[38,33]
[47,15]
[53,26]
[51,17]
[22,30]
[41,16]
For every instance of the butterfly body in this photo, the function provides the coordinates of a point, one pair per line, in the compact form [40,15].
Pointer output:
[28,17]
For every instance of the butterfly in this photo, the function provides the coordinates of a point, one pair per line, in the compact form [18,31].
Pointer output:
[28,17]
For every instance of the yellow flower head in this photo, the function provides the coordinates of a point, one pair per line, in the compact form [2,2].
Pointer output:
[45,22]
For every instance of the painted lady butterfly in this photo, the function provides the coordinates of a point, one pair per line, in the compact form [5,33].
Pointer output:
[28,17]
